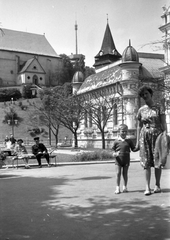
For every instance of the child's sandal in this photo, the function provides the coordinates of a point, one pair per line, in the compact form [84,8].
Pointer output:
[117,191]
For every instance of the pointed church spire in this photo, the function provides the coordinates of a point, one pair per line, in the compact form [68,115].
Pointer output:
[108,52]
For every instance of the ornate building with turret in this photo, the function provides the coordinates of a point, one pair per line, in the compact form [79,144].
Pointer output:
[118,77]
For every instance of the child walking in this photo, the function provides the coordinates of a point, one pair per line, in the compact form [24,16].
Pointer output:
[122,147]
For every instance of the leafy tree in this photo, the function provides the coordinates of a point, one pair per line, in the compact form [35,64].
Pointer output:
[88,71]
[67,109]
[80,65]
[59,107]
[27,92]
[7,94]
[65,74]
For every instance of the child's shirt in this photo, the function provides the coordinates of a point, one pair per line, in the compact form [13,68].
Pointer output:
[123,146]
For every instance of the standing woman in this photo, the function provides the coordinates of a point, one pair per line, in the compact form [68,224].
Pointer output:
[151,123]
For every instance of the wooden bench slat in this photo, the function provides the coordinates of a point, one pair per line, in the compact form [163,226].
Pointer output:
[33,157]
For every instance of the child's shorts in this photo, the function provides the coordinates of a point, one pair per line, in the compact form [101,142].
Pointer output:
[123,160]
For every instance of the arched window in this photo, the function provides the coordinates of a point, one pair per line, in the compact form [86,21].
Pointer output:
[35,80]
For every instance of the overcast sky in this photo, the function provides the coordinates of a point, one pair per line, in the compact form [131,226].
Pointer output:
[137,20]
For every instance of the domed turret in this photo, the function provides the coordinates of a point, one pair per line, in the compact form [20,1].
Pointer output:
[77,80]
[130,54]
[78,77]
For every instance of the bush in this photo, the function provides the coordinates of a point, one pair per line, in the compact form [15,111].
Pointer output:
[27,92]
[7,94]
[94,156]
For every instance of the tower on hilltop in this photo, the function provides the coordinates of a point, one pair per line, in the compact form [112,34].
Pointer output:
[77,59]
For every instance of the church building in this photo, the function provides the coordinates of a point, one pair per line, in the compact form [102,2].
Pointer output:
[26,58]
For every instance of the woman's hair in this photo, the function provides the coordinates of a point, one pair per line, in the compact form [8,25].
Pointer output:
[145,88]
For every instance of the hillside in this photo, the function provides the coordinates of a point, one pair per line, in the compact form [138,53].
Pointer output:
[21,130]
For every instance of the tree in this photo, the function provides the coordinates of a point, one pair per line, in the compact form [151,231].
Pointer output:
[79,64]
[66,73]
[88,71]
[67,109]
[27,91]
[98,106]
[43,115]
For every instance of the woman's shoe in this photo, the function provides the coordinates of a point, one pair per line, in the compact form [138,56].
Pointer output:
[157,190]
[147,192]
[125,190]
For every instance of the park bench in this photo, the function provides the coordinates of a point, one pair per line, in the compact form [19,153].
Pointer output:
[13,159]
[32,157]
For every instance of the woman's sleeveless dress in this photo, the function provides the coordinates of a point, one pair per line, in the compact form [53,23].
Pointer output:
[151,128]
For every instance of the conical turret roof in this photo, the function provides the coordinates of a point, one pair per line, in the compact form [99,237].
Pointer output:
[108,46]
[108,52]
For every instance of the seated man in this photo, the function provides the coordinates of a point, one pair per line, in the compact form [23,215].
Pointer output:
[21,153]
[39,150]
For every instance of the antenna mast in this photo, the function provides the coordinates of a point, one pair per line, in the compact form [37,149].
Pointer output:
[76,28]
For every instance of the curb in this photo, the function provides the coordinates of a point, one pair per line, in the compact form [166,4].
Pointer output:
[66,164]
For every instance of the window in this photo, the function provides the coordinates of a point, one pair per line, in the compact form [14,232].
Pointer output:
[115,122]
[104,113]
[85,119]
[90,119]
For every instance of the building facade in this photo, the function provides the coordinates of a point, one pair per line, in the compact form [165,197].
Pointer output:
[118,77]
[27,58]
[165,29]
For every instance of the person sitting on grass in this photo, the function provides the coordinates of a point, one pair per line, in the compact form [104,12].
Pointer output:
[39,150]
[20,152]
[122,147]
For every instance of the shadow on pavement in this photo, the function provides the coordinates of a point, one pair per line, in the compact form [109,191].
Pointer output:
[53,208]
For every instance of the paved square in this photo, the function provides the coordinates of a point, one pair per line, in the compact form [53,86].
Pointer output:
[77,202]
